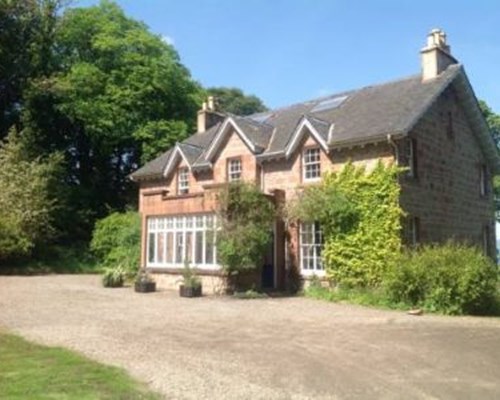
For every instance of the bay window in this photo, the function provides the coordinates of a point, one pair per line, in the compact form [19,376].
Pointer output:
[175,239]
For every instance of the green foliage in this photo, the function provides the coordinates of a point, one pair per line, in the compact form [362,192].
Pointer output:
[360,215]
[143,276]
[32,371]
[493,121]
[326,204]
[449,279]
[234,101]
[245,216]
[116,240]
[26,201]
[371,297]
[156,136]
[25,50]
[114,277]
[189,277]
[115,96]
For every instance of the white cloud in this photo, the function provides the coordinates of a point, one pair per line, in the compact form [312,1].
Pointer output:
[168,39]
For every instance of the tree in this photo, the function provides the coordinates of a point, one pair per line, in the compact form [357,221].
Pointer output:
[245,217]
[119,93]
[234,101]
[493,121]
[26,37]
[26,198]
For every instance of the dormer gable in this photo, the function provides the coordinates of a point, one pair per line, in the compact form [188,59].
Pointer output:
[227,127]
[182,152]
[319,130]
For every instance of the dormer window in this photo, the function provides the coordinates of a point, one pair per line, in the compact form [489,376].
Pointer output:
[234,170]
[311,164]
[183,181]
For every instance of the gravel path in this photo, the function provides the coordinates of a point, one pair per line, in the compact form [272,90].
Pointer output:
[290,348]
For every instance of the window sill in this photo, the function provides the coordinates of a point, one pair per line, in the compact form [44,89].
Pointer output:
[310,273]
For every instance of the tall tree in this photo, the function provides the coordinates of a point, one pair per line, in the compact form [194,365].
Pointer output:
[234,101]
[118,92]
[26,38]
[27,202]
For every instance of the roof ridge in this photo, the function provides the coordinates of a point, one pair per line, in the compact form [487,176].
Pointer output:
[336,94]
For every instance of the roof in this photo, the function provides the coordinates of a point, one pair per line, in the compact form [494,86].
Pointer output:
[359,116]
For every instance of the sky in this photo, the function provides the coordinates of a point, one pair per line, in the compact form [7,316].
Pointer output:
[287,51]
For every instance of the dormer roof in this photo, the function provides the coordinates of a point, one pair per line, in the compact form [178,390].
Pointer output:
[357,117]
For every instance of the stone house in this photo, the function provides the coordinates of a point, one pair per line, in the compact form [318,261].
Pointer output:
[430,122]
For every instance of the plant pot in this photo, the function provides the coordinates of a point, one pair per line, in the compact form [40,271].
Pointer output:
[145,287]
[190,291]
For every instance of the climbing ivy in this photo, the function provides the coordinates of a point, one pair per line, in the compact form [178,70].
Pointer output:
[362,231]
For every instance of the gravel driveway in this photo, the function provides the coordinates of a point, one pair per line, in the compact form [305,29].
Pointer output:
[288,348]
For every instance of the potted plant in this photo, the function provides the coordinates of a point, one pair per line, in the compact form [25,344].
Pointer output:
[144,283]
[191,284]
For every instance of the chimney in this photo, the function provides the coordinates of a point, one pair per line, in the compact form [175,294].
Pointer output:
[436,56]
[208,116]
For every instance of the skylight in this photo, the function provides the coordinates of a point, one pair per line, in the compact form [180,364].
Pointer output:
[329,104]
[261,117]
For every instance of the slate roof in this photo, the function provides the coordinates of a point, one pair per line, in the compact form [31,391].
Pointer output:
[359,116]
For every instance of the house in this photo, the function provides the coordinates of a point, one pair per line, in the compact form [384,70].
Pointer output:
[430,122]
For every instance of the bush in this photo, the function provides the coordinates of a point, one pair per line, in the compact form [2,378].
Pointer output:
[450,279]
[116,240]
[114,277]
[245,217]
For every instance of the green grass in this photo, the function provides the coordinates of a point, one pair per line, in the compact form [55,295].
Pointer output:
[31,371]
[363,297]
[371,298]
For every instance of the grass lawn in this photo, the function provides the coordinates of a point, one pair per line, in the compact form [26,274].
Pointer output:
[31,371]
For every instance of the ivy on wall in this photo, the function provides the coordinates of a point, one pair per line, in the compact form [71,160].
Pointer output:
[361,218]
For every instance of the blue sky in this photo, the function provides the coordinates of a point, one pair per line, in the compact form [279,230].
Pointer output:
[286,51]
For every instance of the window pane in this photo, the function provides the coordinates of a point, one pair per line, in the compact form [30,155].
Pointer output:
[188,255]
[198,258]
[209,248]
[170,248]
[161,223]
[169,223]
[179,247]
[151,248]
[160,249]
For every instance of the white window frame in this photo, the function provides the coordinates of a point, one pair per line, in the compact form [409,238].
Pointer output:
[311,164]
[183,181]
[180,227]
[311,262]
[234,169]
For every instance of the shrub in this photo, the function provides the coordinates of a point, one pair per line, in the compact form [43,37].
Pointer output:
[116,240]
[245,217]
[189,277]
[450,279]
[114,277]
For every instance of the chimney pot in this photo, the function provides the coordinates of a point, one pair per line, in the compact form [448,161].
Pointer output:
[436,56]
[211,103]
